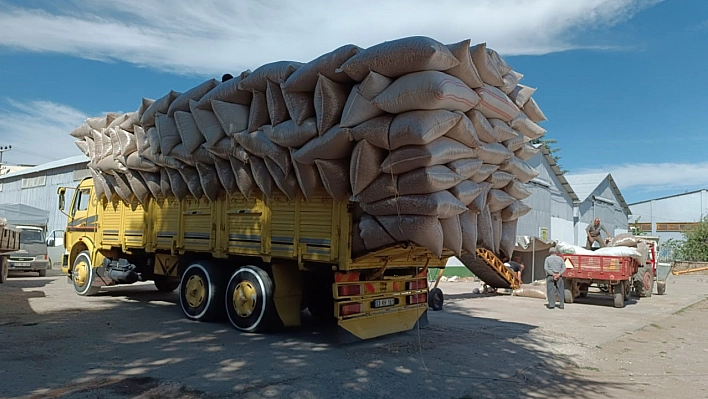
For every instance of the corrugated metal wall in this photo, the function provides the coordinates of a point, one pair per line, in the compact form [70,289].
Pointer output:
[43,197]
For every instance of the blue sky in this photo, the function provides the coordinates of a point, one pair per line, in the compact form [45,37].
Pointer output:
[621,81]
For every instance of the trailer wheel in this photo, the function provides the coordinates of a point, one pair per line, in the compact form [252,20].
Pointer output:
[618,293]
[644,283]
[82,275]
[436,299]
[166,283]
[3,269]
[249,299]
[568,296]
[201,292]
[661,287]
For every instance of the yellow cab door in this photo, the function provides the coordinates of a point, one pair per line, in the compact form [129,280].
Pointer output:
[82,222]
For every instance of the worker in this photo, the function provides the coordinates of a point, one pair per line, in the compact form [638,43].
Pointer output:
[593,232]
[515,266]
[554,267]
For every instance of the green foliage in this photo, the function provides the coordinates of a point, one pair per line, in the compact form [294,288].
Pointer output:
[636,228]
[694,246]
[551,150]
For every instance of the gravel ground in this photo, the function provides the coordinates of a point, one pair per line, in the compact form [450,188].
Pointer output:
[132,342]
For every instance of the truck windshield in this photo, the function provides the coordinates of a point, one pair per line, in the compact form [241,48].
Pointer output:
[31,236]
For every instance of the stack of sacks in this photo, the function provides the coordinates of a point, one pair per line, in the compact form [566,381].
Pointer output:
[430,141]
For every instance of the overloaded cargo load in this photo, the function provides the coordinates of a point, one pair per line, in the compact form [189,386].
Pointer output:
[428,141]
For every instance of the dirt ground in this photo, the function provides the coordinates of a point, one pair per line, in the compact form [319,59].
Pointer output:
[132,342]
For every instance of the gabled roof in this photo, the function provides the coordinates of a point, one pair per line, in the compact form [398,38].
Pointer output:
[48,166]
[585,184]
[559,174]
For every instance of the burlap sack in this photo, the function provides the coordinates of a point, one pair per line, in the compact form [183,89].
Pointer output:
[516,142]
[165,183]
[365,165]
[420,54]
[498,200]
[84,130]
[262,176]
[465,167]
[138,187]
[191,159]
[521,94]
[115,144]
[208,124]
[330,98]
[258,144]
[100,190]
[232,117]
[136,162]
[464,132]
[498,62]
[485,230]
[358,107]
[227,92]
[153,138]
[83,146]
[277,72]
[517,190]
[526,152]
[127,142]
[226,176]
[110,165]
[305,77]
[189,133]
[486,66]
[308,178]
[533,112]
[500,179]
[520,169]
[287,183]
[497,230]
[196,93]
[482,127]
[385,186]
[258,115]
[527,127]
[514,211]
[290,135]
[244,177]
[511,79]
[373,234]
[493,154]
[277,109]
[375,131]
[465,70]
[191,177]
[466,191]
[427,180]
[98,122]
[494,103]
[159,106]
[483,172]
[502,129]
[479,204]
[420,127]
[508,237]
[427,90]
[168,133]
[334,144]
[145,103]
[222,148]
[118,120]
[177,184]
[452,234]
[437,152]
[141,140]
[334,174]
[468,223]
[425,231]
[209,178]
[152,182]
[300,104]
[441,204]
[122,187]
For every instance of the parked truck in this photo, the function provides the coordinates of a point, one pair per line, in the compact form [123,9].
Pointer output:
[32,254]
[9,242]
[260,261]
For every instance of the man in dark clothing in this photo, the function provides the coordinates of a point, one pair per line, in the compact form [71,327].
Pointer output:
[554,267]
[594,234]
[516,266]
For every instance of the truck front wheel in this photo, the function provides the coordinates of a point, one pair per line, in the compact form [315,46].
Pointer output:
[82,275]
[249,299]
[201,292]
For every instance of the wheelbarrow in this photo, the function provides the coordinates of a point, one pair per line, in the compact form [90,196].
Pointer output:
[663,270]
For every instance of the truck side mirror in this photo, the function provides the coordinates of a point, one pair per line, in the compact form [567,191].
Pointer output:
[61,191]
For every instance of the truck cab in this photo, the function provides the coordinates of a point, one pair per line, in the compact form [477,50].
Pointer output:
[32,256]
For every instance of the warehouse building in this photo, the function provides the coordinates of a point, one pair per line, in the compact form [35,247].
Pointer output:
[37,186]
[670,217]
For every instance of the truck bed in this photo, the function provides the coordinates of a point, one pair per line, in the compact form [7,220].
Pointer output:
[599,267]
[9,239]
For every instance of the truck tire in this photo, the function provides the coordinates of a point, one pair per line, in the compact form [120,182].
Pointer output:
[584,290]
[3,269]
[619,293]
[166,283]
[644,282]
[435,299]
[568,296]
[201,292]
[82,275]
[249,300]
[661,287]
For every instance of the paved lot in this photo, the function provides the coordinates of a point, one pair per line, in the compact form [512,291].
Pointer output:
[133,342]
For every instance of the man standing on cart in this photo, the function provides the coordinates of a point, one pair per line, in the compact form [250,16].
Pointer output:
[594,234]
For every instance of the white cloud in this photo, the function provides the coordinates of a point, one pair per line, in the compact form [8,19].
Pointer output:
[38,131]
[658,178]
[213,36]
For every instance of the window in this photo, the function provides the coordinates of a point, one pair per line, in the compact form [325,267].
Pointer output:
[82,200]
[31,236]
[37,181]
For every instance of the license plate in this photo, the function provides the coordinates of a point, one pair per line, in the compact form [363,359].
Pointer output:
[21,264]
[382,303]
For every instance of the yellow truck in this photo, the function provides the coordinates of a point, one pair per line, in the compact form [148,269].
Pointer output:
[259,261]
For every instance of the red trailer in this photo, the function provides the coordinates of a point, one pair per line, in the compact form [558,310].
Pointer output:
[615,275]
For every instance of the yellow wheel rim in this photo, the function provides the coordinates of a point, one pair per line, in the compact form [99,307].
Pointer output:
[245,298]
[195,291]
[81,273]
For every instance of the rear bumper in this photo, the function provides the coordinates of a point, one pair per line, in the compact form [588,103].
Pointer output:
[28,266]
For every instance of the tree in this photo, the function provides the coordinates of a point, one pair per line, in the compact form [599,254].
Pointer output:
[694,246]
[547,143]
[636,229]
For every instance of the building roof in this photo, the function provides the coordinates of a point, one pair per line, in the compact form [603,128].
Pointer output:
[585,184]
[559,174]
[79,159]
[669,196]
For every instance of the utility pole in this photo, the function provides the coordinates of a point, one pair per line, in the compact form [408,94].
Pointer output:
[2,150]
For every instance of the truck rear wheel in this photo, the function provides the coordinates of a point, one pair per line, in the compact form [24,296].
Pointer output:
[201,292]
[619,293]
[249,299]
[435,298]
[82,275]
[3,269]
